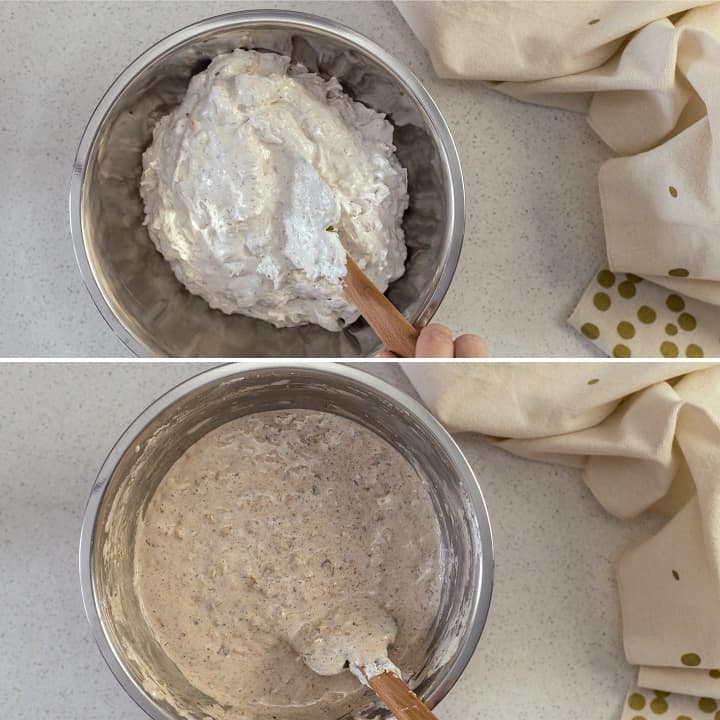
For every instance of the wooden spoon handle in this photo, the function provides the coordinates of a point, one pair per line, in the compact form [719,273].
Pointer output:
[389,324]
[400,699]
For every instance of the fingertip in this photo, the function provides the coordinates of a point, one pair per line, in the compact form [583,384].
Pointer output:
[434,341]
[470,346]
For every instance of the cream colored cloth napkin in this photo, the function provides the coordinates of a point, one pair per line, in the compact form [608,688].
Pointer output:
[646,74]
[647,436]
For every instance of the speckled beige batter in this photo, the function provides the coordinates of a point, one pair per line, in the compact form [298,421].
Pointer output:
[278,534]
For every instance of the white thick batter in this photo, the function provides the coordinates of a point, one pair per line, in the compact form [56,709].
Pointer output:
[249,180]
[288,534]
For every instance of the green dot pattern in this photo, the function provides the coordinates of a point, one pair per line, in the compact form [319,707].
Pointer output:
[627,289]
[638,717]
[672,190]
[690,659]
[636,701]
[661,693]
[669,349]
[683,717]
[601,301]
[626,330]
[707,705]
[714,673]
[646,315]
[687,321]
[621,351]
[659,705]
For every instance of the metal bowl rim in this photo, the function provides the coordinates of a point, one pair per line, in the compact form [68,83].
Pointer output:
[482,571]
[446,146]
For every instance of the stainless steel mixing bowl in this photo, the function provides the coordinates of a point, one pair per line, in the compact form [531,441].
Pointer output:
[130,282]
[170,425]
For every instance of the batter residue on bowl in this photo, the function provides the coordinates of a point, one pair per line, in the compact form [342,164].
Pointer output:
[248,181]
[276,523]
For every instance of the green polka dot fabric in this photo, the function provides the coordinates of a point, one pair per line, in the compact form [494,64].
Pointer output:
[646,704]
[627,316]
[691,679]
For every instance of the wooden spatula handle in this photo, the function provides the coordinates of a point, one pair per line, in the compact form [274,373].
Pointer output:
[389,324]
[400,699]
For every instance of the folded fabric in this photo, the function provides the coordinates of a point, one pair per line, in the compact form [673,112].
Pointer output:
[646,74]
[644,703]
[647,436]
[630,317]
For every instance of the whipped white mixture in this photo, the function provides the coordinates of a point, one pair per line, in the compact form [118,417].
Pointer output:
[280,546]
[252,181]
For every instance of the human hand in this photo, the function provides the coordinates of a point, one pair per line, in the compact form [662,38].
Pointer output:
[436,341]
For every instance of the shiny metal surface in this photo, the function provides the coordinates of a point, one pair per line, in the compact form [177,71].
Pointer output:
[130,282]
[166,428]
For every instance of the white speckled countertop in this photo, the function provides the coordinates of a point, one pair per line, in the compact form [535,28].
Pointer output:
[534,230]
[551,648]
